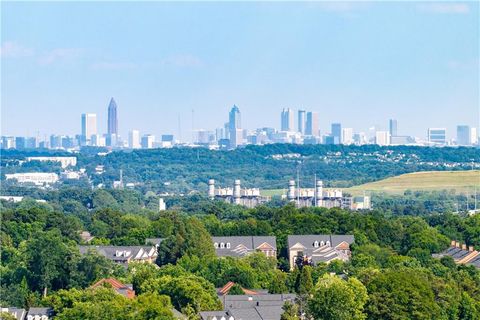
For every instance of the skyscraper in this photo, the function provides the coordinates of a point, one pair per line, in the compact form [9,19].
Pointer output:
[347,136]
[235,127]
[382,138]
[393,127]
[437,135]
[112,118]
[134,139]
[312,124]
[287,120]
[301,121]
[337,133]
[89,126]
[463,135]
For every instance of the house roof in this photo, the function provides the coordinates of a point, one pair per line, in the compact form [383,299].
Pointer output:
[242,245]
[308,240]
[226,289]
[121,253]
[18,313]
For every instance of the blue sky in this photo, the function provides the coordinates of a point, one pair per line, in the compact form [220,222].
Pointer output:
[357,63]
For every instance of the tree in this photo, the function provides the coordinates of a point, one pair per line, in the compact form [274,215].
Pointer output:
[304,284]
[334,298]
[468,309]
[278,282]
[290,311]
[401,294]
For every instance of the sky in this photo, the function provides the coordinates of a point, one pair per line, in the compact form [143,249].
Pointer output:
[172,67]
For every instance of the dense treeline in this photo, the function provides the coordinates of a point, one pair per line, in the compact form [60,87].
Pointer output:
[187,169]
[391,275]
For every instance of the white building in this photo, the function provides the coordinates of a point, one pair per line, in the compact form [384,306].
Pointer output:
[236,195]
[347,136]
[64,161]
[37,178]
[382,138]
[473,136]
[148,141]
[134,139]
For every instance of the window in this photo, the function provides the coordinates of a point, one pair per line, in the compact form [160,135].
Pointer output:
[222,245]
[228,245]
[315,244]
[328,243]
[322,243]
[215,245]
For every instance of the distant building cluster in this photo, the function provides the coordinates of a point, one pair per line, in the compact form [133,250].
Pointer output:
[245,197]
[319,197]
[232,134]
[301,197]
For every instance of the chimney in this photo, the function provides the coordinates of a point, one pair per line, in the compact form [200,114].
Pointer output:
[470,248]
[452,243]
[457,244]
[464,247]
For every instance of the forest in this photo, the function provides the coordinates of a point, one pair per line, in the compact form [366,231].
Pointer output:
[391,274]
[182,170]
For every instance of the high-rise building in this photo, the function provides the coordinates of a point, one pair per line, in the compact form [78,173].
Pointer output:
[463,135]
[287,120]
[134,139]
[112,118]
[347,136]
[311,128]
[301,121]
[147,141]
[473,136]
[382,138]
[234,127]
[337,133]
[393,126]
[89,126]
[437,135]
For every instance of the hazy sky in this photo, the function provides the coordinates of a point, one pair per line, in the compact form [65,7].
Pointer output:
[356,63]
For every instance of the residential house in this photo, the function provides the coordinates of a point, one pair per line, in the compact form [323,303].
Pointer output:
[319,248]
[39,314]
[262,306]
[124,254]
[17,313]
[123,289]
[244,245]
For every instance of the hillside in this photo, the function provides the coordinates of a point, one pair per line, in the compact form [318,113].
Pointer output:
[460,181]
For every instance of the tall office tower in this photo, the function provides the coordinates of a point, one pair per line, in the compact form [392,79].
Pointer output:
[382,138]
[347,136]
[437,135]
[234,127]
[134,139]
[89,126]
[393,125]
[301,121]
[147,141]
[463,135]
[287,120]
[473,136]
[311,127]
[337,133]
[112,118]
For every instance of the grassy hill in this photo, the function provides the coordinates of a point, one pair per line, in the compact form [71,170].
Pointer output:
[460,181]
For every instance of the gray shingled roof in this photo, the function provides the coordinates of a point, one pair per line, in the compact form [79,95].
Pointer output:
[242,245]
[109,252]
[309,240]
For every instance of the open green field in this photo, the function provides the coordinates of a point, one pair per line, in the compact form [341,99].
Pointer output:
[460,181]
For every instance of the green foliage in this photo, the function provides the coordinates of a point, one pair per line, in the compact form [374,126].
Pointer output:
[334,298]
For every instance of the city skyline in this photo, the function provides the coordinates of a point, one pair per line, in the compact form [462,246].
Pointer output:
[332,58]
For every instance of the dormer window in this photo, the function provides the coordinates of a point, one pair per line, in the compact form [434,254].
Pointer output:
[328,243]
[315,244]
[228,245]
[215,245]
[322,243]
[222,245]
